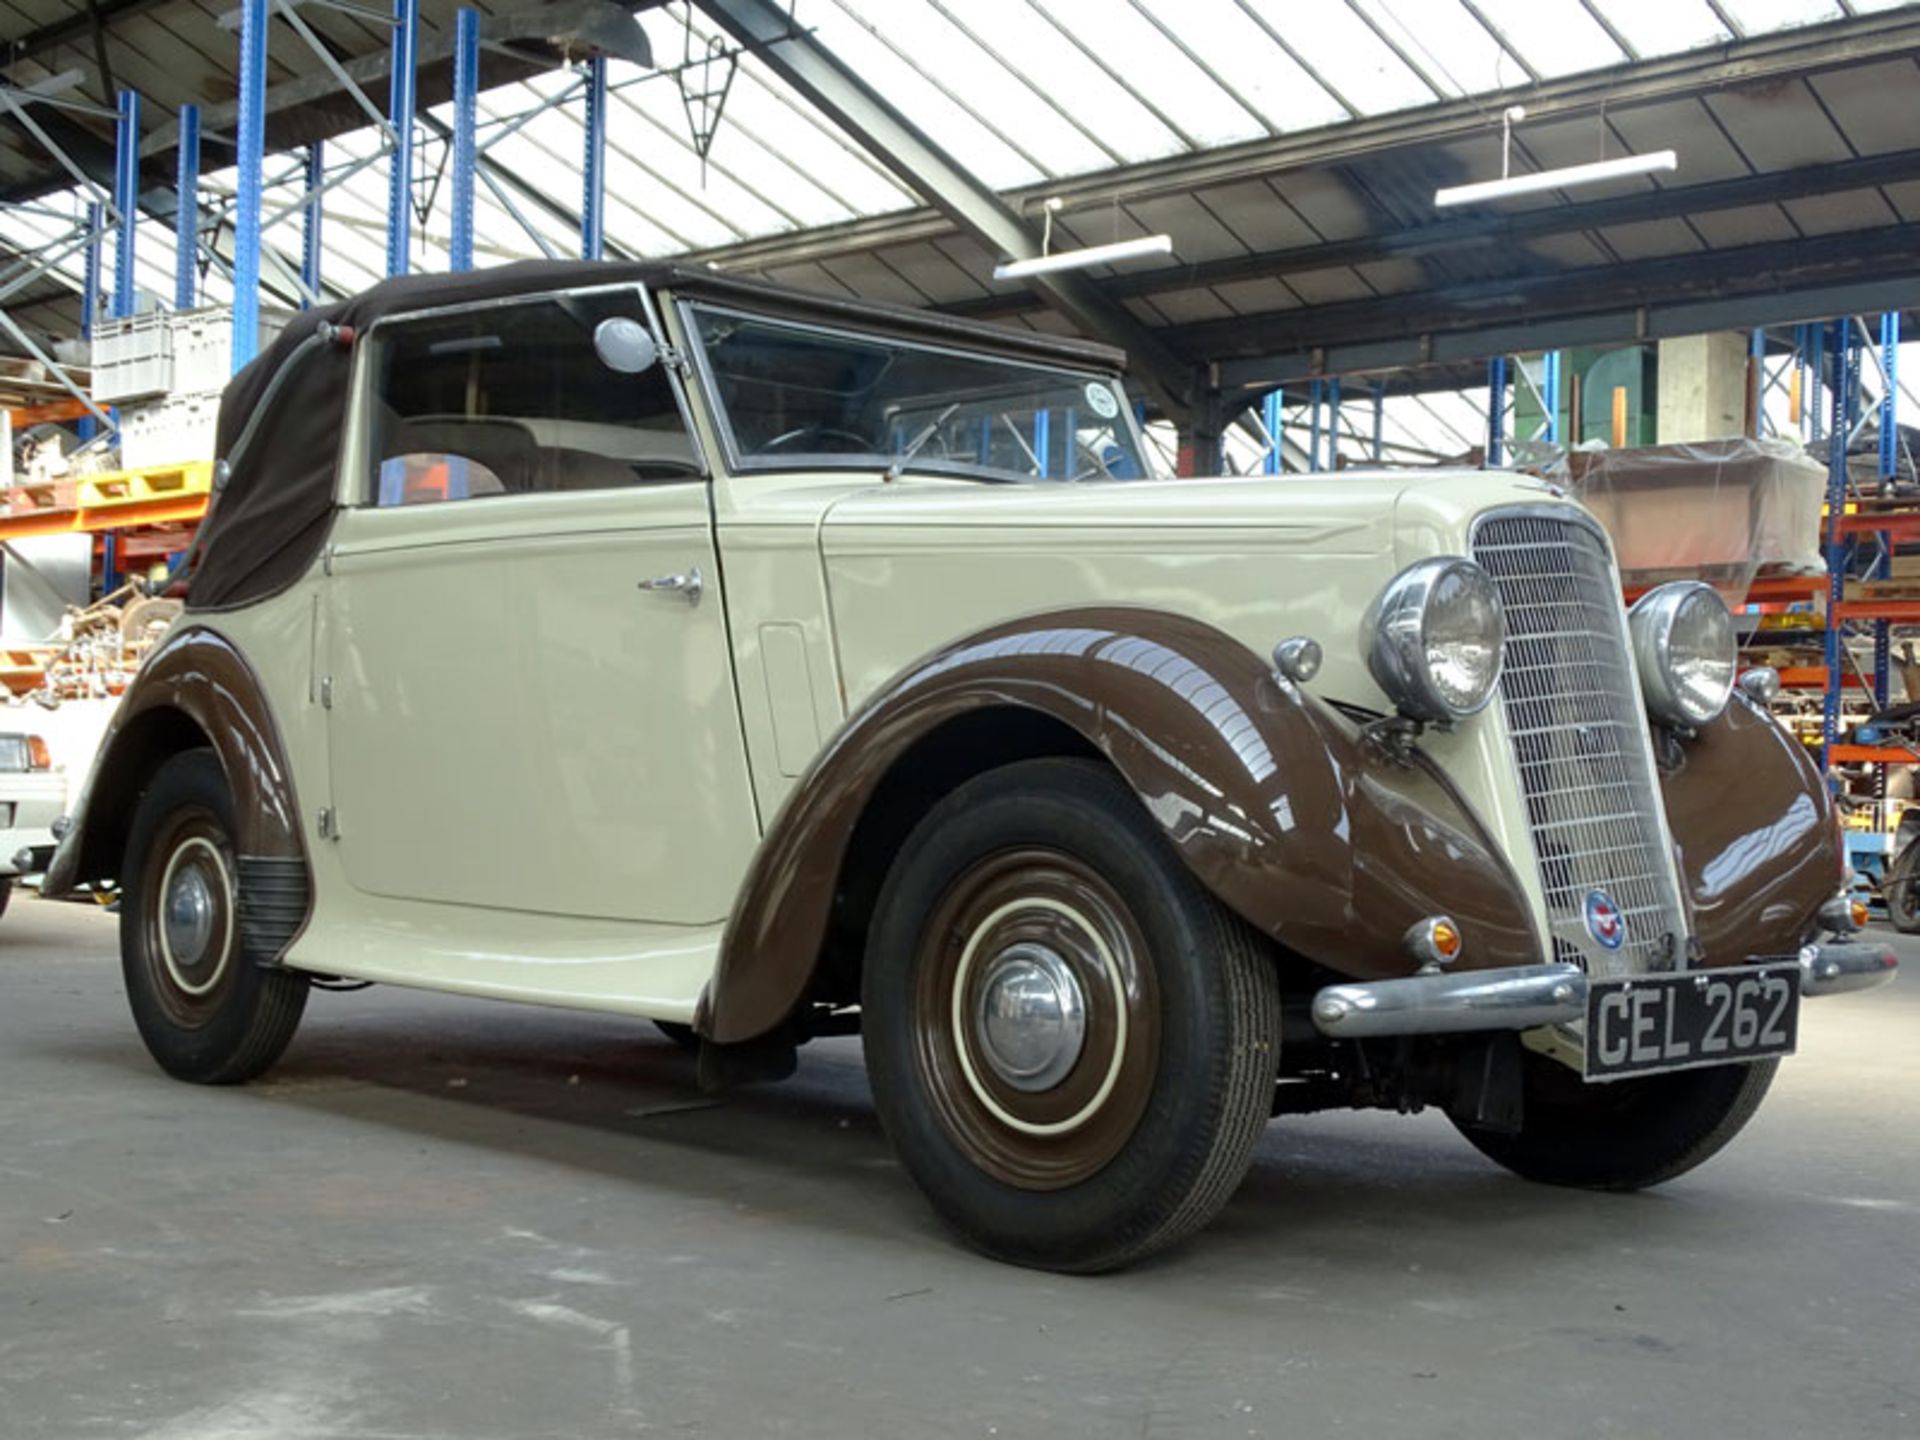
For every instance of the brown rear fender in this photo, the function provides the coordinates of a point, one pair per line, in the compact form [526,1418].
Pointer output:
[1755,830]
[1309,831]
[196,690]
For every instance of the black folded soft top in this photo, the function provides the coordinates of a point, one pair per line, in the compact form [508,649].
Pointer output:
[274,503]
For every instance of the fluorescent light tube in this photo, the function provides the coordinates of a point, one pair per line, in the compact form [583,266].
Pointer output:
[1081,259]
[1564,178]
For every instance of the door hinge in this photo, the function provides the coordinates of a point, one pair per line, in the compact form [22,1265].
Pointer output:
[326,692]
[329,824]
[326,561]
[674,359]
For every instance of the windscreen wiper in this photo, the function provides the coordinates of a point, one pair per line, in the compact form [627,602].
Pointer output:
[927,432]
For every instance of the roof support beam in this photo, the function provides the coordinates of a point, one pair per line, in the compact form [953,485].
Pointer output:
[1673,202]
[1774,283]
[1796,53]
[520,44]
[74,27]
[827,82]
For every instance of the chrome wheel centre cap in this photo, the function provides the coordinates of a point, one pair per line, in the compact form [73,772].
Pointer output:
[188,916]
[1030,1022]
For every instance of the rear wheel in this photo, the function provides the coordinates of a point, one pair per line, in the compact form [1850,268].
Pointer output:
[207,1013]
[1625,1134]
[1073,1047]
[1903,890]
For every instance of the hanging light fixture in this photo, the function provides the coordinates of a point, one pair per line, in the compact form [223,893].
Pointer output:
[1048,261]
[1565,178]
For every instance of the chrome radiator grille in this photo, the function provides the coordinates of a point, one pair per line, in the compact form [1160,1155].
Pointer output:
[1573,707]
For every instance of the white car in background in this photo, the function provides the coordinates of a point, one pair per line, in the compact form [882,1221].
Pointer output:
[32,796]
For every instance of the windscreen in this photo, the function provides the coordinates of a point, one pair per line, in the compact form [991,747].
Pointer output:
[795,396]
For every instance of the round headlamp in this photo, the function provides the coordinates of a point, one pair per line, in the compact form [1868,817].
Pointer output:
[1683,647]
[1436,638]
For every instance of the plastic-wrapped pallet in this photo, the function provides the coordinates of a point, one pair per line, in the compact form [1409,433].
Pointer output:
[1722,511]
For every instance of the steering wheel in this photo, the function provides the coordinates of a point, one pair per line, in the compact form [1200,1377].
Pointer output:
[1095,465]
[849,442]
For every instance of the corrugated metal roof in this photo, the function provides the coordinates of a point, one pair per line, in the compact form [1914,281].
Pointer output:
[1083,97]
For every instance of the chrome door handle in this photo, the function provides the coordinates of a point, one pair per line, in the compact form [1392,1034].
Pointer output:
[688,584]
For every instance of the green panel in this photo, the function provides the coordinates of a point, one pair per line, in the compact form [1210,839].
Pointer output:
[1600,372]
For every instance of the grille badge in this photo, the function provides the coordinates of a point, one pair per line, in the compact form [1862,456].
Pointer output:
[1605,923]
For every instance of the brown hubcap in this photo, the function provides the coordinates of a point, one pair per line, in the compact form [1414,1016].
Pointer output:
[187,916]
[1036,1018]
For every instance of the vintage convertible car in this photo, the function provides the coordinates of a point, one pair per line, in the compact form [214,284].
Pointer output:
[643,640]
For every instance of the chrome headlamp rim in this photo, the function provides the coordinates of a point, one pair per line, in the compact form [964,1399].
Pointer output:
[1650,625]
[1396,632]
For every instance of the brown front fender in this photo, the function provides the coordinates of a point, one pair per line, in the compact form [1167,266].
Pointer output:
[1313,834]
[196,689]
[1755,830]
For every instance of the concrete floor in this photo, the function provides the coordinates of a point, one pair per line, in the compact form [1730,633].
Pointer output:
[457,1218]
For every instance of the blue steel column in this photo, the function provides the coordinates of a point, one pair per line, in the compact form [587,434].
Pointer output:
[1496,411]
[1845,374]
[1272,416]
[1816,377]
[1380,423]
[1889,467]
[466,150]
[251,136]
[1333,423]
[1550,393]
[311,222]
[593,200]
[400,93]
[1316,393]
[90,290]
[126,199]
[1757,381]
[186,213]
[90,294]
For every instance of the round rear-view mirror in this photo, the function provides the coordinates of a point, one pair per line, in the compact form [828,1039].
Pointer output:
[624,345]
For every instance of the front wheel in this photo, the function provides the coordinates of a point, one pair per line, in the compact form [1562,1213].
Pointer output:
[1624,1134]
[1073,1047]
[685,1036]
[206,1012]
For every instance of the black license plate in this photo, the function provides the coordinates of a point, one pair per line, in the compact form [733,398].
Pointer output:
[1704,1017]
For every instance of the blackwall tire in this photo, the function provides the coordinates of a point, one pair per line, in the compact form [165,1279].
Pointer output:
[1625,1134]
[206,1013]
[1903,891]
[1029,891]
[681,1035]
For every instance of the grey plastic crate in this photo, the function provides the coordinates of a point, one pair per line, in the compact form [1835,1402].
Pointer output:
[132,358]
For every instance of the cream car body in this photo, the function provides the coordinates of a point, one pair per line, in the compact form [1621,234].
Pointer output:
[832,586]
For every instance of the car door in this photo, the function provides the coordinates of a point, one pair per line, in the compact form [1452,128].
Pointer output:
[529,690]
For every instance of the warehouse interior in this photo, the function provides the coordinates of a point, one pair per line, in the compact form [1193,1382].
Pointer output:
[1716,352]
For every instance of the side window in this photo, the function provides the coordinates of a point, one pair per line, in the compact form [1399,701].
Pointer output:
[520,399]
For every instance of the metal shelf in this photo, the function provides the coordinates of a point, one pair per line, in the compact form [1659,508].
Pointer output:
[1871,755]
[122,500]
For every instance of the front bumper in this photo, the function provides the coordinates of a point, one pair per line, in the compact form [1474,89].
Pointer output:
[1528,996]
